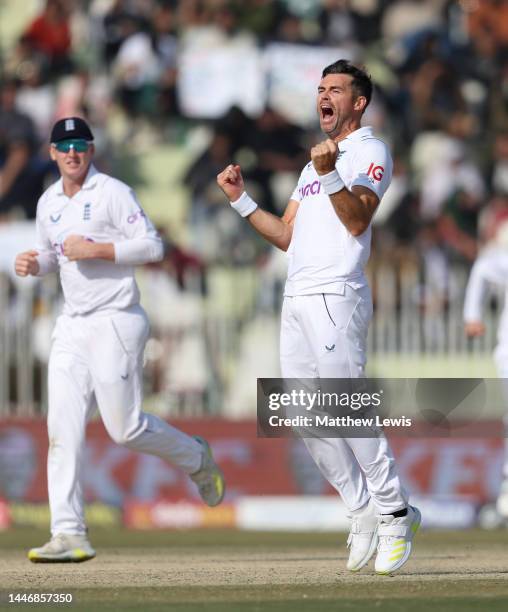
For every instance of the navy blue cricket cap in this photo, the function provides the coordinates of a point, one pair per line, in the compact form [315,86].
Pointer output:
[71,127]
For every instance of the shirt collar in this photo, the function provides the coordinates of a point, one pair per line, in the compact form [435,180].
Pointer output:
[90,181]
[359,133]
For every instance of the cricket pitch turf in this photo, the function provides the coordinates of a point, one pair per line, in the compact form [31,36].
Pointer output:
[221,571]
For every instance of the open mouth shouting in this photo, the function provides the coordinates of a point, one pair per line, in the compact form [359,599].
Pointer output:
[327,116]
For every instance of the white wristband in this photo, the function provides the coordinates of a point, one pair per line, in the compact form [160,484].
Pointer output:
[245,205]
[331,182]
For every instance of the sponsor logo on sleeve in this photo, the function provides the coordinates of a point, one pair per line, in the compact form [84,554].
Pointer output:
[375,172]
[140,214]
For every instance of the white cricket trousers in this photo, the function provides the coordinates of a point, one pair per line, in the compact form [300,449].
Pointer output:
[96,360]
[325,336]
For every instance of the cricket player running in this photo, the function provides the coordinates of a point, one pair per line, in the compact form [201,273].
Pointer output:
[91,227]
[327,303]
[491,268]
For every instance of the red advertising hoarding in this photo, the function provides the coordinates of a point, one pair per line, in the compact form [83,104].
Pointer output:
[253,466]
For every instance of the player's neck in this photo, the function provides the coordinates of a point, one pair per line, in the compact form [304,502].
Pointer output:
[346,129]
[71,186]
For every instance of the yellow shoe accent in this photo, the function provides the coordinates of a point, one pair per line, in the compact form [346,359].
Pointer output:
[80,554]
[209,478]
[394,550]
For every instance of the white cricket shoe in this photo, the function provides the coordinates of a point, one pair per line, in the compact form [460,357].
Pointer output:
[395,539]
[63,548]
[363,539]
[209,478]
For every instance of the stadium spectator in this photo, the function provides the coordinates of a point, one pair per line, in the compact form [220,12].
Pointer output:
[36,97]
[488,28]
[136,70]
[499,174]
[50,34]
[277,146]
[165,43]
[20,176]
[115,29]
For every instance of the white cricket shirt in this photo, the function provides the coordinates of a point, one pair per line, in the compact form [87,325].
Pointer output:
[491,267]
[104,210]
[322,253]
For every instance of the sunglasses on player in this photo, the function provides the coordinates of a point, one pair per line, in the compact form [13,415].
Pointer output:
[80,145]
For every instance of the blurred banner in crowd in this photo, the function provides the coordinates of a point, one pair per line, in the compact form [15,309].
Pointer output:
[292,74]
[207,89]
[282,75]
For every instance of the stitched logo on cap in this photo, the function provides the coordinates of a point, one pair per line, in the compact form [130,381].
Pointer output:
[69,125]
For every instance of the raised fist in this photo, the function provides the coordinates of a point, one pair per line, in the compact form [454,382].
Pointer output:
[324,156]
[230,180]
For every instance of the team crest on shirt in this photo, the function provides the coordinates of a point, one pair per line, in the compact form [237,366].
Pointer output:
[87,211]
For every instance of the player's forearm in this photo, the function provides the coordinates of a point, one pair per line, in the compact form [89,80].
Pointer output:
[271,228]
[47,262]
[476,291]
[353,213]
[138,251]
[101,250]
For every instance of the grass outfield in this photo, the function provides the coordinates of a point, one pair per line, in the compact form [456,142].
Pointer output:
[226,570]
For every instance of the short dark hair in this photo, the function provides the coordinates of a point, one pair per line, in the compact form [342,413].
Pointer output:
[361,83]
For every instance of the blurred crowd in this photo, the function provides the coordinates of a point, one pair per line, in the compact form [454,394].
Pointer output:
[441,69]
[441,102]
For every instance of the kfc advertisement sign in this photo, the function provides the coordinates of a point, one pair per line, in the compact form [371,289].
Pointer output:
[253,466]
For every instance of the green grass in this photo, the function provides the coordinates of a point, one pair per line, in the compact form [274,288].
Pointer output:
[481,584]
[228,538]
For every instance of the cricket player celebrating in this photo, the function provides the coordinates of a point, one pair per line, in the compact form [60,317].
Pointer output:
[91,227]
[491,268]
[327,304]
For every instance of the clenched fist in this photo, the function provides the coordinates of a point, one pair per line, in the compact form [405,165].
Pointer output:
[230,180]
[324,156]
[76,248]
[474,329]
[26,264]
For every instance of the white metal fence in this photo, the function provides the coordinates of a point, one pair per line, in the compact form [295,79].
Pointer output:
[202,343]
